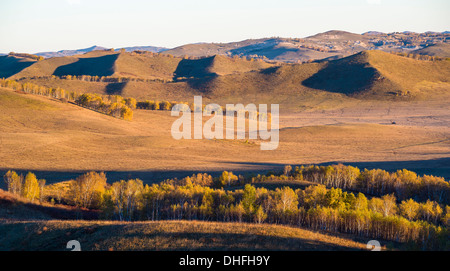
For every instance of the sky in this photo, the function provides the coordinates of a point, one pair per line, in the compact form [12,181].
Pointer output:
[31,26]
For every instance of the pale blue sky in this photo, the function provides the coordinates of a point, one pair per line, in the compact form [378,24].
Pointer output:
[49,25]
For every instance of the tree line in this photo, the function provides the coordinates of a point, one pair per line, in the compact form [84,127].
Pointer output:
[112,105]
[207,198]
[404,184]
[100,79]
[421,57]
[30,56]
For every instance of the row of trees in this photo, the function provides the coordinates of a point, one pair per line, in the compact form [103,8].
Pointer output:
[104,79]
[157,105]
[113,105]
[404,184]
[30,56]
[168,106]
[315,207]
[422,57]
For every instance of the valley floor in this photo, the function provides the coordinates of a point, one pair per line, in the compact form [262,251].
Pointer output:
[59,141]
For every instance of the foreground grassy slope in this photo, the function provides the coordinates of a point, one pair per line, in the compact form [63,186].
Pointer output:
[166,235]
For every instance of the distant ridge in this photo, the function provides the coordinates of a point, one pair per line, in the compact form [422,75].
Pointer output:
[99,48]
[338,34]
[152,49]
[70,52]
[370,33]
[328,45]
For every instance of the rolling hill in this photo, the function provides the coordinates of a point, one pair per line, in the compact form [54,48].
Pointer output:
[380,74]
[277,49]
[369,74]
[440,49]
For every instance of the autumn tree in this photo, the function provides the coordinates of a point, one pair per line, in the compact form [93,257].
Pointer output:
[227,178]
[87,189]
[409,209]
[131,103]
[260,215]
[249,200]
[14,182]
[31,187]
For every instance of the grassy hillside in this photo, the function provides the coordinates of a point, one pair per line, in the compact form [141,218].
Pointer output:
[218,65]
[147,66]
[369,74]
[166,235]
[380,74]
[440,49]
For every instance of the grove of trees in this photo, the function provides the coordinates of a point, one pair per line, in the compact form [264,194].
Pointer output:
[28,187]
[400,206]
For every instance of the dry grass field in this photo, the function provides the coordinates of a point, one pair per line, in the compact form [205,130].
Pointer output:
[48,136]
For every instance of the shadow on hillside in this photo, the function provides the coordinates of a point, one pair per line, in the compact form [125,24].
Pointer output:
[437,167]
[10,66]
[346,78]
[197,68]
[115,88]
[97,66]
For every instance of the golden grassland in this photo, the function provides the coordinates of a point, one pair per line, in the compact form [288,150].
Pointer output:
[40,134]
[167,235]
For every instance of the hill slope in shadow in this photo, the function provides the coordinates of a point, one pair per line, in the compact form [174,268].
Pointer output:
[10,65]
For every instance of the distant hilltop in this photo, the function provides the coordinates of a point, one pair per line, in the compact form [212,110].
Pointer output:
[99,48]
[329,45]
